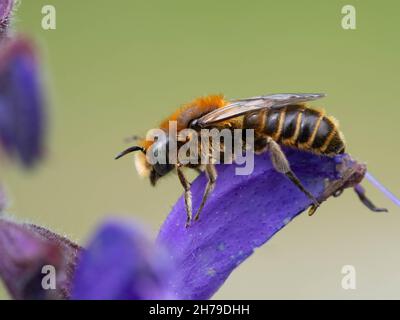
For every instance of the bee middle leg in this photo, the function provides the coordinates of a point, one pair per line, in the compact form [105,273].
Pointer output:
[211,173]
[281,164]
[188,195]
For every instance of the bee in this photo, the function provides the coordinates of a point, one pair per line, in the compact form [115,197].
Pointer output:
[277,120]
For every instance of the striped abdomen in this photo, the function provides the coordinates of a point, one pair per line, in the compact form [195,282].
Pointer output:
[297,126]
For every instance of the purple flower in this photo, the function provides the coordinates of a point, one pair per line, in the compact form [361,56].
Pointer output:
[22,114]
[24,250]
[241,215]
[121,263]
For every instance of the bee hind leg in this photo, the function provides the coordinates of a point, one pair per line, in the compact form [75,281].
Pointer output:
[281,164]
[188,196]
[211,173]
[360,191]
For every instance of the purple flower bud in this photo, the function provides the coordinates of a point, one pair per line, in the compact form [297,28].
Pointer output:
[243,213]
[5,12]
[22,114]
[121,263]
[24,252]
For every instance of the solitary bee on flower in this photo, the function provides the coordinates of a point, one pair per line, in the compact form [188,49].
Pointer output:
[277,120]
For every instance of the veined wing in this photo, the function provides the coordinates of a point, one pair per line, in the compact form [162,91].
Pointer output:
[242,106]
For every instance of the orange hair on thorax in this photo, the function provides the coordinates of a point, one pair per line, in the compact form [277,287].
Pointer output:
[194,110]
[190,111]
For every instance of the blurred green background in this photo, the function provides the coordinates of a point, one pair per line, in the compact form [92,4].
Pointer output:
[116,68]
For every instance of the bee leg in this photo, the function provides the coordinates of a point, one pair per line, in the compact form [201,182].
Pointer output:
[188,196]
[368,203]
[211,173]
[281,164]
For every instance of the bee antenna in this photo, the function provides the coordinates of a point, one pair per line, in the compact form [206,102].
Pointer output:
[129,150]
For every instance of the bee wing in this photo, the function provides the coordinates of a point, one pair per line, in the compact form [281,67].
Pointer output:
[242,106]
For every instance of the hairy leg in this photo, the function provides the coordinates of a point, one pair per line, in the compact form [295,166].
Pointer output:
[281,164]
[188,196]
[211,173]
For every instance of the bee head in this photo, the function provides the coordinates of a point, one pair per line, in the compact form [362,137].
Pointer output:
[158,154]
[152,162]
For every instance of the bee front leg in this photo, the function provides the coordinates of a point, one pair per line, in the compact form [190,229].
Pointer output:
[281,164]
[188,196]
[211,173]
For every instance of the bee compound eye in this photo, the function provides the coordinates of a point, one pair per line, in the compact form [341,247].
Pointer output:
[160,159]
[159,151]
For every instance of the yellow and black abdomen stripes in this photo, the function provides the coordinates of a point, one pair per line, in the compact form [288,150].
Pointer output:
[299,127]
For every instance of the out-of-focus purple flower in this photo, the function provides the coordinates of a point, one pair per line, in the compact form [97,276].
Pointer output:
[242,213]
[22,111]
[5,13]
[121,263]
[24,250]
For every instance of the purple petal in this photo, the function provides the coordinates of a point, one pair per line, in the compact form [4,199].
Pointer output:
[22,114]
[24,250]
[70,252]
[5,13]
[242,213]
[120,263]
